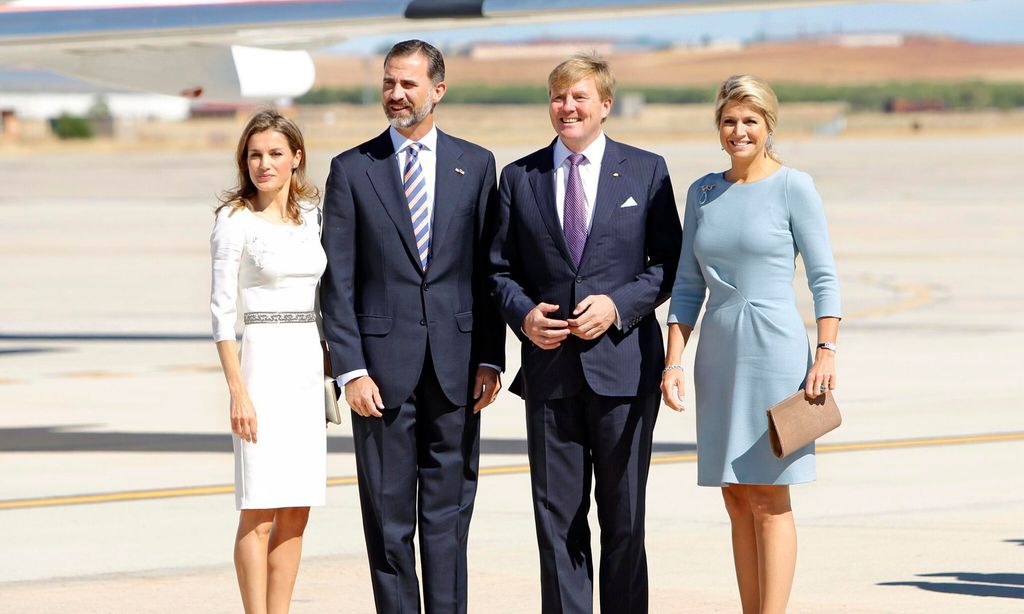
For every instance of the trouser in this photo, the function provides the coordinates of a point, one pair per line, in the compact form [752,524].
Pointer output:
[570,441]
[418,465]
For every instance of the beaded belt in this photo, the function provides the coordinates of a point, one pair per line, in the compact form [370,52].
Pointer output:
[279,317]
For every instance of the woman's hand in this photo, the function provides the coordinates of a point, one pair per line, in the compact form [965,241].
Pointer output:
[822,375]
[243,417]
[673,385]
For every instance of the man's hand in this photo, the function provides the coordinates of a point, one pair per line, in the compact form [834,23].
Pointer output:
[546,333]
[485,387]
[363,396]
[594,315]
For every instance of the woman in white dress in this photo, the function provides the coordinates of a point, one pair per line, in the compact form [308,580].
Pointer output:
[265,247]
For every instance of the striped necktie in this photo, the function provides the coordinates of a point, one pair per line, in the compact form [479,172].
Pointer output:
[415,183]
[574,214]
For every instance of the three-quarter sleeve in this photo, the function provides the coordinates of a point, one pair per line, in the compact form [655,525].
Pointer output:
[689,289]
[810,233]
[226,244]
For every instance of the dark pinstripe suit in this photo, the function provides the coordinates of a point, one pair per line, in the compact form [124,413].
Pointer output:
[421,335]
[591,405]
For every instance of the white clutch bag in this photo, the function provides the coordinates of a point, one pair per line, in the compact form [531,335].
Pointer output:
[331,410]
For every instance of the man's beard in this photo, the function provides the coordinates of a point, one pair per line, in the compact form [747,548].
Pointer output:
[415,116]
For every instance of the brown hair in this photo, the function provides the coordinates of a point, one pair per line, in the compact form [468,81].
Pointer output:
[435,61]
[756,92]
[580,66]
[299,191]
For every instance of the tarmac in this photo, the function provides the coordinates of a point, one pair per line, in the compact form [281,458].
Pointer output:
[115,459]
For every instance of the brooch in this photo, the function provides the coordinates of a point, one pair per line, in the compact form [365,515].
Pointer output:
[704,189]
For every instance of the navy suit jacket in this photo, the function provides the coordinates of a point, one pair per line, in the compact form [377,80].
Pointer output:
[379,307]
[631,255]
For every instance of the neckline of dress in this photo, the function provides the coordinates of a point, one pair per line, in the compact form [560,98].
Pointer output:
[761,180]
[268,222]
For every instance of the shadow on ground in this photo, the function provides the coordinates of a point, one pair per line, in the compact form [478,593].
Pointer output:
[1005,585]
[74,439]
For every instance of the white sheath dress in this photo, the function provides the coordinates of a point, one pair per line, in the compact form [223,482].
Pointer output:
[266,268]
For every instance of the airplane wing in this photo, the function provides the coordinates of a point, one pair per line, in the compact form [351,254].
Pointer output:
[231,49]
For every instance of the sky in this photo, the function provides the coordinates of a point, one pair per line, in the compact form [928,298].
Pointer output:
[976,20]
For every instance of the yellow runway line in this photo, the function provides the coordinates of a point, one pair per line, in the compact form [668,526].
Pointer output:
[93,374]
[207,368]
[689,457]
[915,295]
[505,469]
[920,442]
[347,480]
[118,497]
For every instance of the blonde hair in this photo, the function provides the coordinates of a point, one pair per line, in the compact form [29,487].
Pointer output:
[299,191]
[580,66]
[753,91]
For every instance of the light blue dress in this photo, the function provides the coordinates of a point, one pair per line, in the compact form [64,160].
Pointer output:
[740,242]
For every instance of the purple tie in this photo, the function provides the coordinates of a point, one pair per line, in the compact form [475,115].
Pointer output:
[574,217]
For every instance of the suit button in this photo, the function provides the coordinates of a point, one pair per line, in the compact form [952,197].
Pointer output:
[426,287]
[423,322]
[579,279]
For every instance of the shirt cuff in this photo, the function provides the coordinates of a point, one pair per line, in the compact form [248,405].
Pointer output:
[490,366]
[618,318]
[345,378]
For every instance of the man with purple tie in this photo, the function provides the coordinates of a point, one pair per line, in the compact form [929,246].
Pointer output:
[414,339]
[586,247]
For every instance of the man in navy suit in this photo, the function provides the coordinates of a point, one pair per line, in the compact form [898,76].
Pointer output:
[586,247]
[414,339]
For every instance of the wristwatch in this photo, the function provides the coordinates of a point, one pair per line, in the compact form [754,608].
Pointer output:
[827,346]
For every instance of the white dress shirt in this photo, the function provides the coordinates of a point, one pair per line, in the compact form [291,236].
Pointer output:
[428,162]
[590,173]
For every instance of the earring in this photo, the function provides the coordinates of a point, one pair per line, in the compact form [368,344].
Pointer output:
[770,143]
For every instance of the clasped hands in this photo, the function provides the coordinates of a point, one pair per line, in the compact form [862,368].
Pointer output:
[363,395]
[593,316]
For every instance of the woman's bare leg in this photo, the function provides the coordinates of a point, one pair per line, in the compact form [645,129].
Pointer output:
[744,547]
[776,544]
[285,551]
[251,540]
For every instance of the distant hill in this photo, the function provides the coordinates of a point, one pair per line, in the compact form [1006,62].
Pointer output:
[833,61]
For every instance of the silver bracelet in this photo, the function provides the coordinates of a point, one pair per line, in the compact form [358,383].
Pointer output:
[671,367]
[827,345]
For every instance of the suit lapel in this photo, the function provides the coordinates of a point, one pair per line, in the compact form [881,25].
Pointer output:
[612,190]
[384,178]
[542,180]
[448,187]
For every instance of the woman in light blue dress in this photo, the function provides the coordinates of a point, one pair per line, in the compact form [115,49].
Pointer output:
[742,232]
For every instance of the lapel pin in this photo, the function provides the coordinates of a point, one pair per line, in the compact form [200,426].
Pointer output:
[615,174]
[460,171]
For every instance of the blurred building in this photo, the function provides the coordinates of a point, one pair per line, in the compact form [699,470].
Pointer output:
[540,48]
[41,95]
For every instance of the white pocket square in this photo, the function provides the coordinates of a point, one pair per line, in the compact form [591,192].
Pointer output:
[629,203]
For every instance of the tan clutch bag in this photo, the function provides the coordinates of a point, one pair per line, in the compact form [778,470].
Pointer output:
[331,410]
[796,421]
